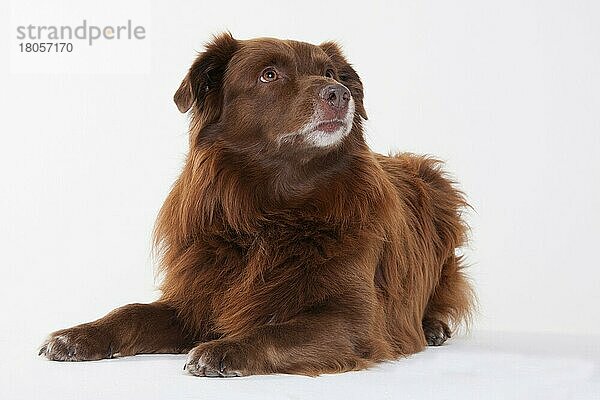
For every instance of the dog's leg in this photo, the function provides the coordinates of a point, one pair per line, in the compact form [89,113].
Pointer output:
[128,330]
[310,344]
[451,303]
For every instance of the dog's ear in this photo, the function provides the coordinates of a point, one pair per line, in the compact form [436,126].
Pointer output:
[202,84]
[346,74]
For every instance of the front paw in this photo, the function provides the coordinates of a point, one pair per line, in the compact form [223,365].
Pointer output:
[80,343]
[219,358]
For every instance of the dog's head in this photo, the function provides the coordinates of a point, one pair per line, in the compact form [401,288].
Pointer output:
[272,92]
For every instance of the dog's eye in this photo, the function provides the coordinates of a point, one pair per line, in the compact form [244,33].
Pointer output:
[269,75]
[330,74]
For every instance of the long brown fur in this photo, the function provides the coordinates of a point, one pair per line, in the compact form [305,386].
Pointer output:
[283,259]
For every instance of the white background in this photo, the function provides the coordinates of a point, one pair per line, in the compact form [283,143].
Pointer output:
[506,92]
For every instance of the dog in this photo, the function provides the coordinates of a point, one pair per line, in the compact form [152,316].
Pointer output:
[286,245]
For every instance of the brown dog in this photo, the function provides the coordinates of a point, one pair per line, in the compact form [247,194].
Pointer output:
[287,246]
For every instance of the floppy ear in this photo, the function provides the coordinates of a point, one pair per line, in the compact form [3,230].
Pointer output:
[346,74]
[202,84]
[183,96]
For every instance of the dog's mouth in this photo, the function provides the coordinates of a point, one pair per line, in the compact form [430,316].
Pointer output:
[330,126]
[323,131]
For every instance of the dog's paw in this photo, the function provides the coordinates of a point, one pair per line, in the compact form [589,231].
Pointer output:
[219,358]
[436,331]
[80,343]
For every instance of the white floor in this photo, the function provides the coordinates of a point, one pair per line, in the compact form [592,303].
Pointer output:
[482,366]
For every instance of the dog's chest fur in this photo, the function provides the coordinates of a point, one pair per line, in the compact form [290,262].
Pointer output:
[287,266]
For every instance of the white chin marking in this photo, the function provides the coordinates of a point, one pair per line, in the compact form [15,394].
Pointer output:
[326,139]
[317,138]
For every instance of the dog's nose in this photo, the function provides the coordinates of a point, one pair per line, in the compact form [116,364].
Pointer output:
[336,95]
